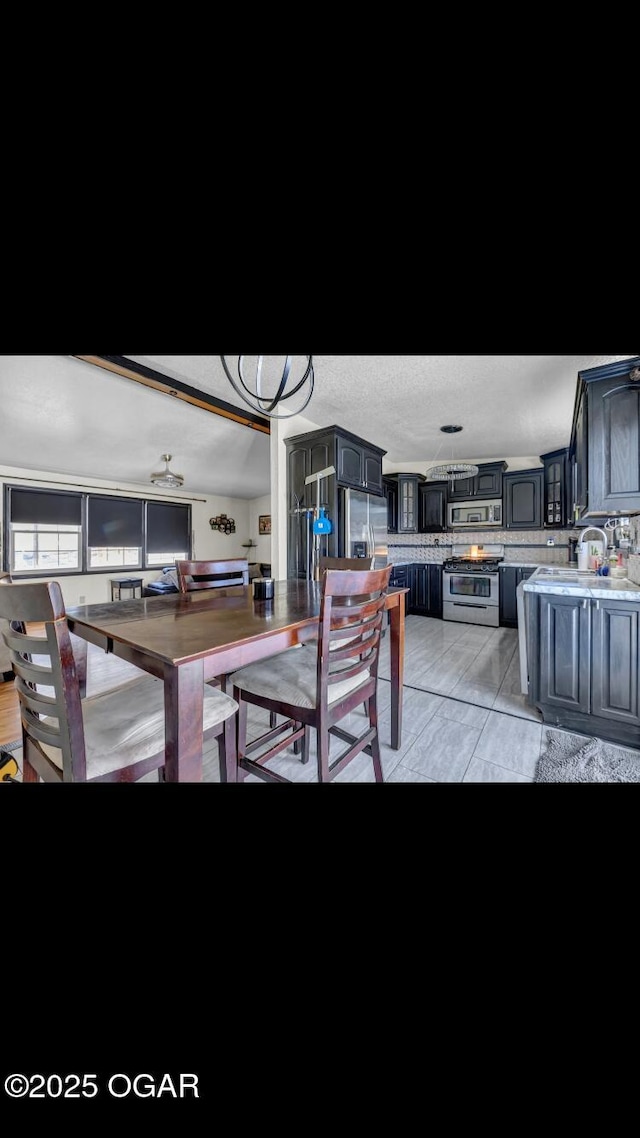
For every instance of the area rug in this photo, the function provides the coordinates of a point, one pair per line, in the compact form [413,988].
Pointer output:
[568,758]
[17,746]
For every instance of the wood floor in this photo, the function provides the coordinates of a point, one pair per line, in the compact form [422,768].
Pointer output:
[10,729]
[103,671]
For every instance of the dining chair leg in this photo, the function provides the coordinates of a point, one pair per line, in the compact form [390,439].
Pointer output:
[323,753]
[273,719]
[228,751]
[375,742]
[241,734]
[306,745]
[29,773]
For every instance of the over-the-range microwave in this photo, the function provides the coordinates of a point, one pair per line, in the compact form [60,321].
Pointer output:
[476,515]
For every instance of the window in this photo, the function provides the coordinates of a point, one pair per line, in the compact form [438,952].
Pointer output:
[168,533]
[44,531]
[50,532]
[114,532]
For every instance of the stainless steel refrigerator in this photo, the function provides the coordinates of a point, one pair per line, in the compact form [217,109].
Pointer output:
[362,526]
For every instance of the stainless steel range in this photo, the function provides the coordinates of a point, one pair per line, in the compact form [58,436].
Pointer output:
[471,584]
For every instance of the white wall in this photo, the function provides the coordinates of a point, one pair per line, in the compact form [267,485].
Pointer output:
[282,429]
[262,551]
[207,543]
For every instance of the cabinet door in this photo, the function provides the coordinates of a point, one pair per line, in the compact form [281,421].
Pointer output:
[432,515]
[614,660]
[435,590]
[553,512]
[523,495]
[488,483]
[349,464]
[407,505]
[391,494]
[372,472]
[419,589]
[462,490]
[614,446]
[298,463]
[565,652]
[507,596]
[580,458]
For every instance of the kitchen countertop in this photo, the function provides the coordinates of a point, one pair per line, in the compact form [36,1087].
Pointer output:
[583,585]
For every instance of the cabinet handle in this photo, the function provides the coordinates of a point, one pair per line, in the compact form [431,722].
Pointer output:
[585,603]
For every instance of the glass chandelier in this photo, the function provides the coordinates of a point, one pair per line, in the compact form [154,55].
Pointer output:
[450,471]
[267,390]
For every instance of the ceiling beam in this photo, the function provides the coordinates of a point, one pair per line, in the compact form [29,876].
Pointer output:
[140,373]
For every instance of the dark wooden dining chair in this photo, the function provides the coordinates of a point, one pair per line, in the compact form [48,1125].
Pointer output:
[317,688]
[211,574]
[6,672]
[117,736]
[356,564]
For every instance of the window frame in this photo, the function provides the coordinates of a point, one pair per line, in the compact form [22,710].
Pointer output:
[91,569]
[84,569]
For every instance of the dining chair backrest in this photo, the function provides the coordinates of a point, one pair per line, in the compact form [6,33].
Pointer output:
[317,688]
[211,574]
[42,602]
[5,658]
[356,564]
[117,735]
[350,624]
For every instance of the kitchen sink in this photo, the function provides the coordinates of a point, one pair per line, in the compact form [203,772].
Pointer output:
[567,577]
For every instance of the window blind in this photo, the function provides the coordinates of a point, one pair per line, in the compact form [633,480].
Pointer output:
[114,522]
[45,507]
[168,528]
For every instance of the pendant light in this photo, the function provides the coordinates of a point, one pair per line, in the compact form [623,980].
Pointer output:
[266,391]
[165,477]
[450,471]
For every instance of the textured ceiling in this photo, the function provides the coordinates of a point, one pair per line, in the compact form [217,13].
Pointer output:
[59,413]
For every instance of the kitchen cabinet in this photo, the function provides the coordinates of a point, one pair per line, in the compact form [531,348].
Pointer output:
[432,507]
[407,485]
[565,652]
[523,499]
[557,498]
[579,459]
[487,483]
[425,590]
[605,441]
[400,576]
[614,657]
[510,578]
[358,464]
[584,673]
[390,487]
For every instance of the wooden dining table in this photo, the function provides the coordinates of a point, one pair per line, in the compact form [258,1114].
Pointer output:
[188,639]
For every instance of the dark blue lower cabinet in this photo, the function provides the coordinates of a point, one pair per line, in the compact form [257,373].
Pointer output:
[425,590]
[614,660]
[584,666]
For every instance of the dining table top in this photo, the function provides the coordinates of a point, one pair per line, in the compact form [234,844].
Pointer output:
[179,627]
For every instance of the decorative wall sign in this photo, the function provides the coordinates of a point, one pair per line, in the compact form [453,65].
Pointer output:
[223,524]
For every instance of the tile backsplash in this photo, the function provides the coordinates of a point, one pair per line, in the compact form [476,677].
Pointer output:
[523,546]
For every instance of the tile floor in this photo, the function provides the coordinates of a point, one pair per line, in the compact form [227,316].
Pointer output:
[464,719]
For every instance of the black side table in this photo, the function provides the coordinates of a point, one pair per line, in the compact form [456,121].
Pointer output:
[131,585]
